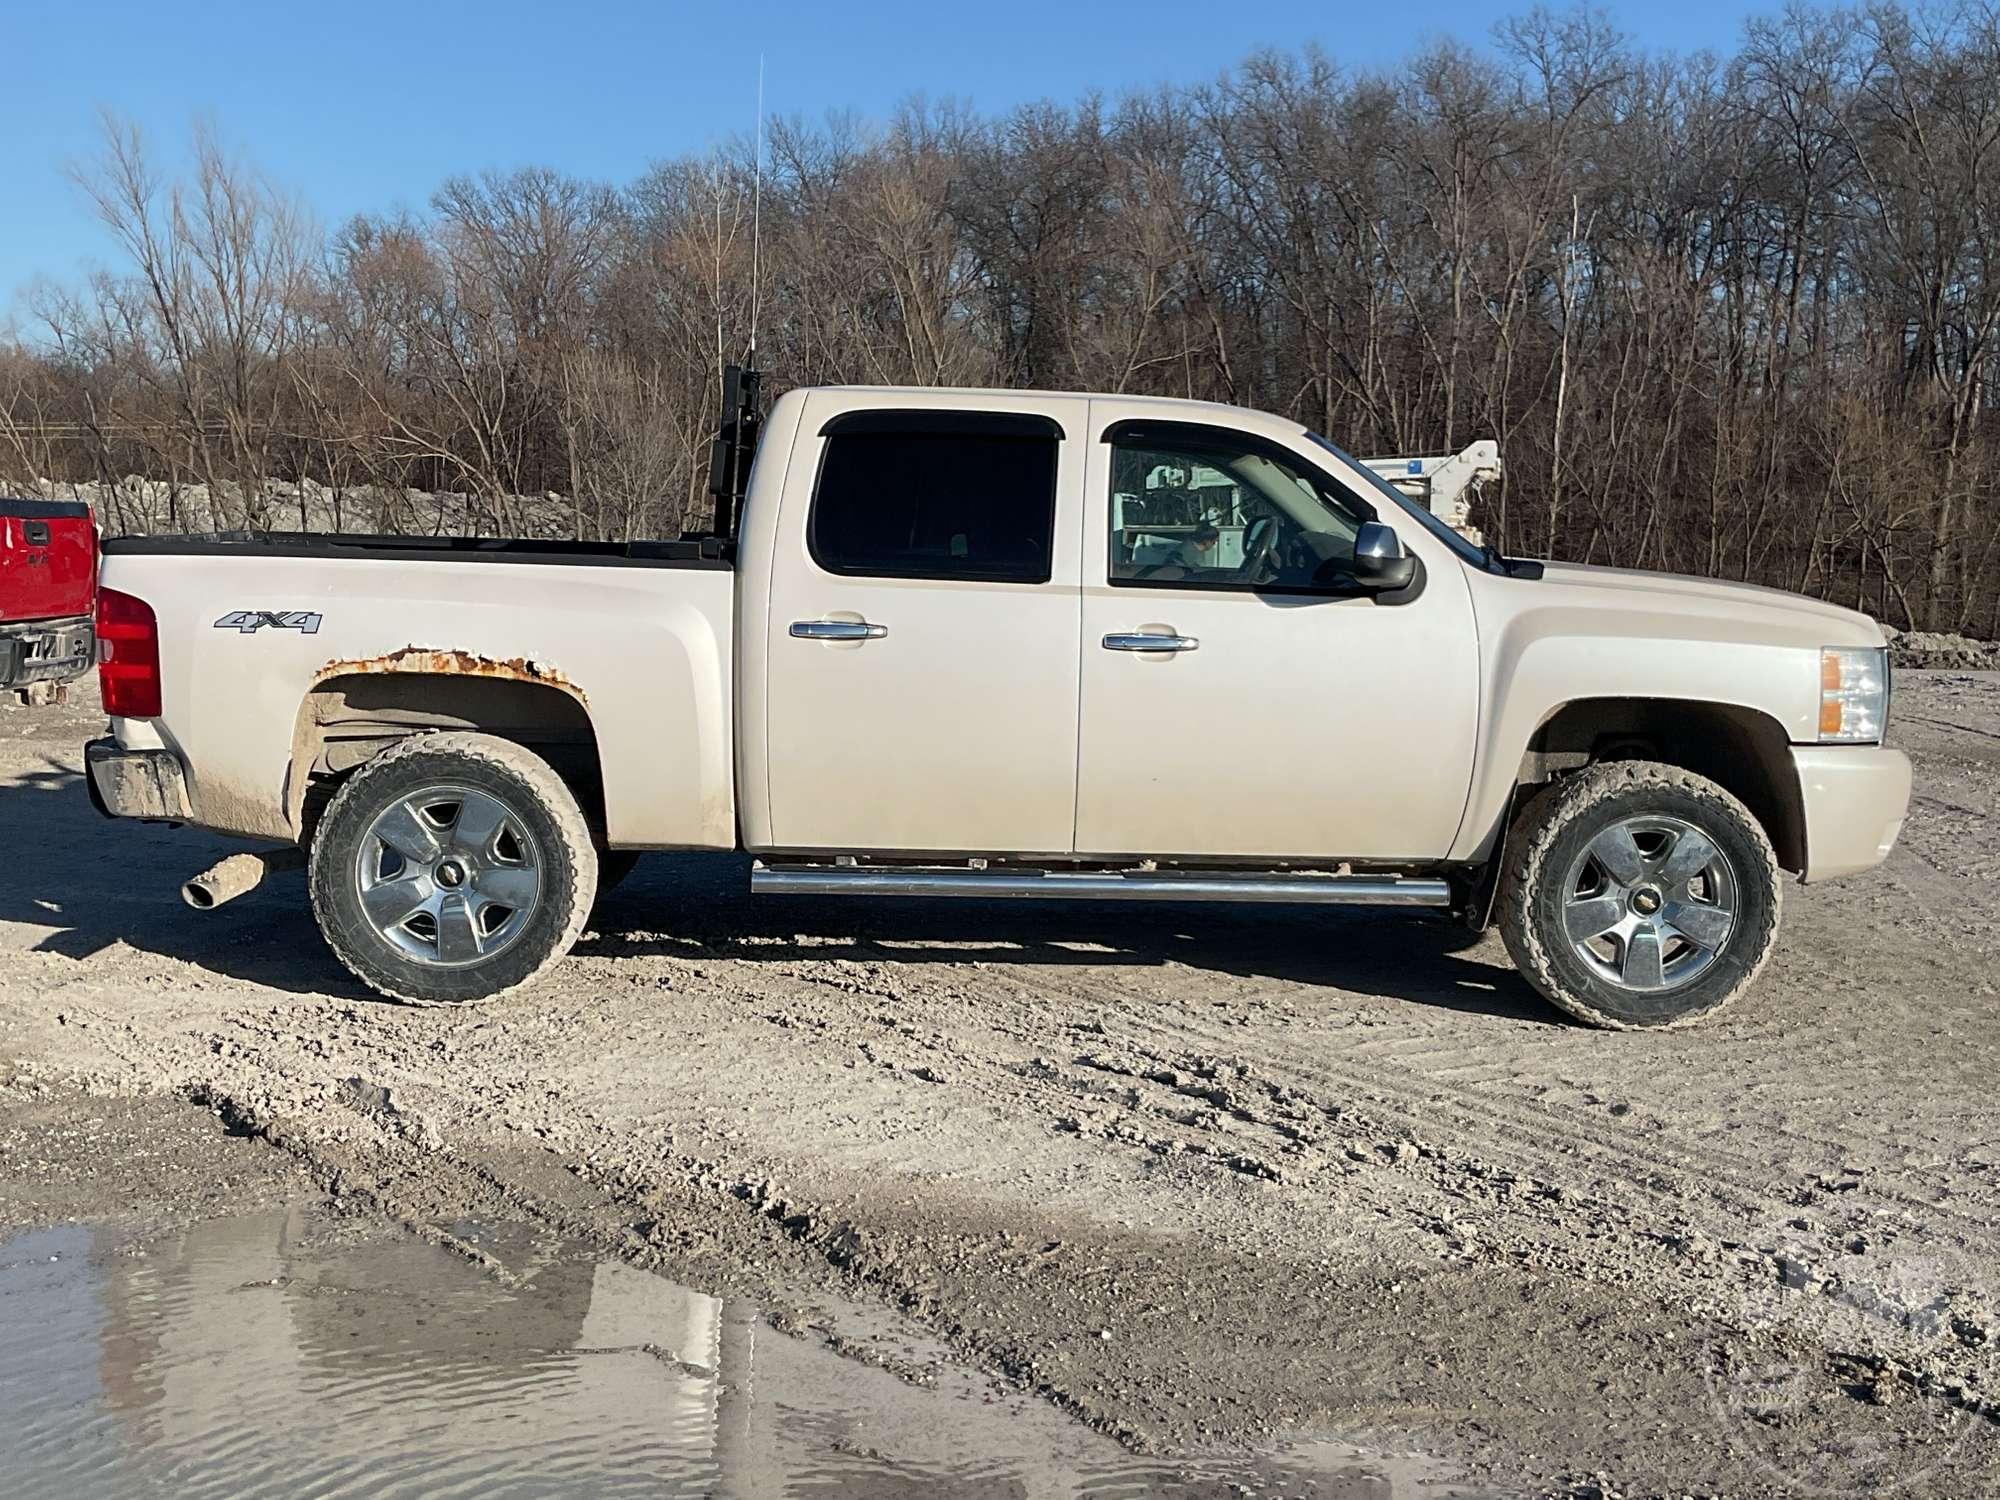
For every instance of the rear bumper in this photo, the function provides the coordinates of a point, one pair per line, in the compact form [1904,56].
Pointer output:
[45,651]
[1855,799]
[146,784]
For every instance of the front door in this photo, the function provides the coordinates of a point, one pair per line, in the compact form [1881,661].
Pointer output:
[1240,698]
[922,641]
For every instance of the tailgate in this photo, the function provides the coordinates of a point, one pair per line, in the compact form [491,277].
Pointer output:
[48,560]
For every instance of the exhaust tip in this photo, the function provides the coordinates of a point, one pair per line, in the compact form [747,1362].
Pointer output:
[229,878]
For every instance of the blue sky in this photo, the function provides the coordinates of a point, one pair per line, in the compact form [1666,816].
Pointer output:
[365,104]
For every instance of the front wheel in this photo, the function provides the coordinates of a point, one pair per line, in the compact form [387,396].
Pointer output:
[452,868]
[1638,895]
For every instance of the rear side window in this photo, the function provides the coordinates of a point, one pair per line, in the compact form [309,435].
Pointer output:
[936,505]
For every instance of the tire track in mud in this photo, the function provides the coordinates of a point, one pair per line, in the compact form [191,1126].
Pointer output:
[1727,1269]
[1682,1227]
[678,1211]
[1444,1048]
[1640,1210]
[401,1174]
[1486,1119]
[1734,1185]
[1417,1099]
[1417,1157]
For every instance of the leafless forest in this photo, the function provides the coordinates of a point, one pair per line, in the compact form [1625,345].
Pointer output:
[1733,316]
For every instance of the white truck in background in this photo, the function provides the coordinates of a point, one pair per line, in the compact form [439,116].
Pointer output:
[980,643]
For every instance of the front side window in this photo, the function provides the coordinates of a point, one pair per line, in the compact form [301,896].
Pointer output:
[936,504]
[1212,512]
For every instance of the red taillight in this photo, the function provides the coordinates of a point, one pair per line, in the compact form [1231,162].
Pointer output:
[128,656]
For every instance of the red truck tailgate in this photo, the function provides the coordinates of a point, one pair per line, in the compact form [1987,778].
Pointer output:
[48,560]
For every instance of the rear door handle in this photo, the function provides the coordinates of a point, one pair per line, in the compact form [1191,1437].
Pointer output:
[1151,643]
[838,630]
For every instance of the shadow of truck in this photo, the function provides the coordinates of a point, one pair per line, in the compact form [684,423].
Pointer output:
[95,883]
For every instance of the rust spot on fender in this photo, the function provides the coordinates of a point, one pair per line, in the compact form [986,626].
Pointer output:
[450,663]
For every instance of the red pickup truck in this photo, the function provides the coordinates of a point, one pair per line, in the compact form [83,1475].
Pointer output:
[48,587]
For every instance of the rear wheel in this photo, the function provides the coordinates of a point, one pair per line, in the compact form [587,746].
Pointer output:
[1639,895]
[452,868]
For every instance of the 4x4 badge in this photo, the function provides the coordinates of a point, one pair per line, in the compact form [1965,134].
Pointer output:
[247,620]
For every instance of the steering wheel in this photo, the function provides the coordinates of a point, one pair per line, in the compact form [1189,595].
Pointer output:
[1258,546]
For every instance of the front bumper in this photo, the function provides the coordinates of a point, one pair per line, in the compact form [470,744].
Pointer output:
[45,651]
[145,784]
[1855,799]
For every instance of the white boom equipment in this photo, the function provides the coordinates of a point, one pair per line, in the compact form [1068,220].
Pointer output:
[1446,484]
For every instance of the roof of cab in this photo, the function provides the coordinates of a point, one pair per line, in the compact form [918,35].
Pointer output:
[1175,403]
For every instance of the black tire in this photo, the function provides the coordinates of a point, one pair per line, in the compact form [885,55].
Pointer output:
[543,826]
[1542,915]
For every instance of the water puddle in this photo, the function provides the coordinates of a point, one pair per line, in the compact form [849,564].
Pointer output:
[271,1355]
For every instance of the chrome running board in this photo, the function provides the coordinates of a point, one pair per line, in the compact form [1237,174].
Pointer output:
[1064,885]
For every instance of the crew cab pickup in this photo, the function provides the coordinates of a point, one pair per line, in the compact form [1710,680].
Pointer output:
[48,575]
[1009,644]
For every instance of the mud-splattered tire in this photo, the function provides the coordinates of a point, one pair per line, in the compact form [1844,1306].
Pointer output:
[452,868]
[1638,895]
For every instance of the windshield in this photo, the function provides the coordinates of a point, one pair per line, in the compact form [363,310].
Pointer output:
[1429,522]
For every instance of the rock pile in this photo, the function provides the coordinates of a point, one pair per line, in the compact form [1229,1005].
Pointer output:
[1930,650]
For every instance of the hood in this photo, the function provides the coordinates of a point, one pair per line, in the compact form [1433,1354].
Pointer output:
[1747,610]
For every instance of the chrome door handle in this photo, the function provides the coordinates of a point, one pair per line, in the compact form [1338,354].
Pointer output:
[1151,643]
[838,630]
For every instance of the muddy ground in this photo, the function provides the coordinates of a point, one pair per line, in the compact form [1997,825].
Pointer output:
[1201,1177]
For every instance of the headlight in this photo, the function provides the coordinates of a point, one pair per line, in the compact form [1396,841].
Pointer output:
[1853,693]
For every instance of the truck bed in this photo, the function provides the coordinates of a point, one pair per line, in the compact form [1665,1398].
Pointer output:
[699,552]
[276,645]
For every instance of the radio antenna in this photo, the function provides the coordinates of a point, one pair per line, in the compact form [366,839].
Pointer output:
[757,218]
[742,418]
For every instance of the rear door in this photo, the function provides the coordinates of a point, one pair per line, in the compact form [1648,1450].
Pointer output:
[921,645]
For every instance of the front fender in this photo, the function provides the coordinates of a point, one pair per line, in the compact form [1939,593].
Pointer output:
[1537,660]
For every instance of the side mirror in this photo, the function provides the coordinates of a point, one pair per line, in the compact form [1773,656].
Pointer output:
[1379,559]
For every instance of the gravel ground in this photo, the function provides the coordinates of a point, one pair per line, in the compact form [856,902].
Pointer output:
[1200,1177]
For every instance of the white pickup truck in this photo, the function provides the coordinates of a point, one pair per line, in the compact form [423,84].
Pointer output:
[1000,643]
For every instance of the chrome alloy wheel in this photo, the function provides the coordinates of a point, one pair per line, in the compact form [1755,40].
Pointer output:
[448,875]
[1650,903]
